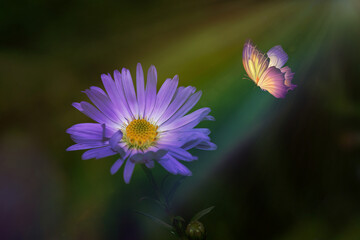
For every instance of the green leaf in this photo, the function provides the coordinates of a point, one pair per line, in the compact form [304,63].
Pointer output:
[157,220]
[202,213]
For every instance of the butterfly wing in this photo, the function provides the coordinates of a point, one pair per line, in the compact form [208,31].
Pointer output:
[272,81]
[278,56]
[288,77]
[254,61]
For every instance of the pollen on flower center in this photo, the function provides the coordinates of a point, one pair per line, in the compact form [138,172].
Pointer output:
[140,134]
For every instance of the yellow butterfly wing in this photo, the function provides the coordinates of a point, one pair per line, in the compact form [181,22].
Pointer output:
[254,61]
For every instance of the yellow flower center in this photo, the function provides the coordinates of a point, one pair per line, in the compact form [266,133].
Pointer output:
[140,134]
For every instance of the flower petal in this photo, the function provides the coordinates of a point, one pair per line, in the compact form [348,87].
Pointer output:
[128,171]
[179,138]
[181,154]
[83,146]
[191,144]
[164,97]
[125,109]
[129,91]
[96,115]
[140,89]
[188,121]
[190,103]
[77,106]
[90,128]
[180,97]
[112,91]
[103,103]
[114,143]
[116,166]
[93,113]
[173,166]
[98,153]
[90,133]
[150,90]
[209,118]
[150,164]
[153,153]
[206,145]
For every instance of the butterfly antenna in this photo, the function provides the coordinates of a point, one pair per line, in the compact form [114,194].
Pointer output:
[246,77]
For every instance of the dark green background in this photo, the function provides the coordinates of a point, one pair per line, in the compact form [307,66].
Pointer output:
[285,169]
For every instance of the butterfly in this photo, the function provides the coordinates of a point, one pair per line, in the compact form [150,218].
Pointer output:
[267,70]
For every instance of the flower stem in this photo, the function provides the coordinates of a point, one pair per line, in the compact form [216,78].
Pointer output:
[161,198]
[159,195]
[151,178]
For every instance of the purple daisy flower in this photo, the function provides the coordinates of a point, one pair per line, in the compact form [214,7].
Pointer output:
[141,127]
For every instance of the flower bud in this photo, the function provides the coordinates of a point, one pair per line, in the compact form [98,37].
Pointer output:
[195,230]
[179,225]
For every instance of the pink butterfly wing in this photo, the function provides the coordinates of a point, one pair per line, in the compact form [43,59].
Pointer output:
[254,61]
[272,81]
[288,77]
[278,56]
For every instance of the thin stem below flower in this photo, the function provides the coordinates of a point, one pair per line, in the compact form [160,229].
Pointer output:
[159,195]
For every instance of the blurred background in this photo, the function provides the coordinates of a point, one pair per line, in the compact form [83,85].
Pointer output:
[285,169]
